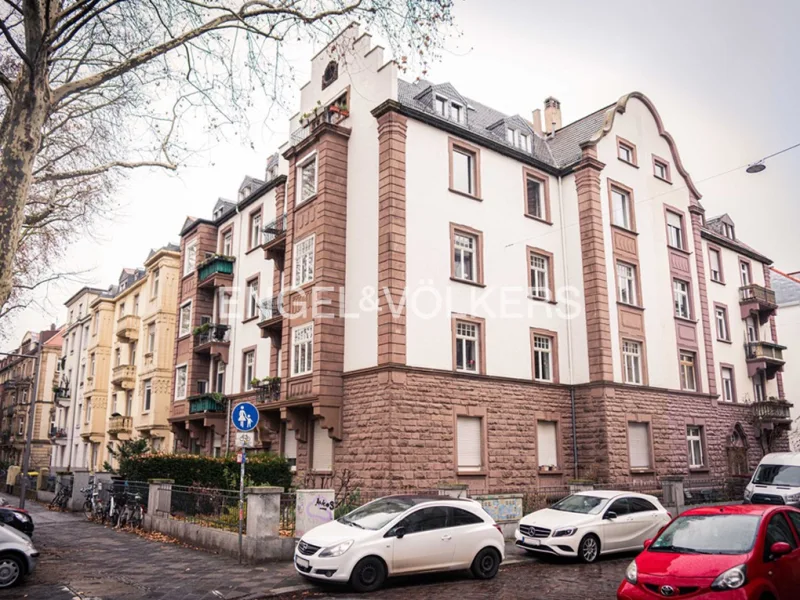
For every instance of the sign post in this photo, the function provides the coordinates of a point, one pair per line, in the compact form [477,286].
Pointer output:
[244,418]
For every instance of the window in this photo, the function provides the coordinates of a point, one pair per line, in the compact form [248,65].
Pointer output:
[464,517]
[93,363]
[467,347]
[322,449]
[632,361]
[95,320]
[464,248]
[680,294]
[148,394]
[536,196]
[151,337]
[620,507]
[190,257]
[227,243]
[621,208]
[540,276]
[716,265]
[290,448]
[626,283]
[463,174]
[219,381]
[249,369]
[524,142]
[122,309]
[185,319]
[661,169]
[469,442]
[85,337]
[307,174]
[302,349]
[255,229]
[728,232]
[154,283]
[132,353]
[721,315]
[744,269]
[675,230]
[640,505]
[117,357]
[639,445]
[752,329]
[542,358]
[694,437]
[425,519]
[440,105]
[304,261]
[136,305]
[727,384]
[457,112]
[180,383]
[759,387]
[688,373]
[626,151]
[778,530]
[547,443]
[252,298]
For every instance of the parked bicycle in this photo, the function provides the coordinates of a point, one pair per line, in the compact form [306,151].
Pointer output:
[93,503]
[61,499]
[132,513]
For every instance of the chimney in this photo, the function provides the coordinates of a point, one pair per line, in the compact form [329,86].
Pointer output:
[537,121]
[552,114]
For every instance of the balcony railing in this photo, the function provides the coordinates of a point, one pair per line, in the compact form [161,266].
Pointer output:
[58,433]
[757,293]
[216,264]
[120,424]
[206,403]
[269,389]
[124,376]
[128,327]
[270,308]
[274,230]
[211,332]
[772,410]
[321,115]
[765,351]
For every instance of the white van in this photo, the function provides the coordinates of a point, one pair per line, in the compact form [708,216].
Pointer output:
[776,480]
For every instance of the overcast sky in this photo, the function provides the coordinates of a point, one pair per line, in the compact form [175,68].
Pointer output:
[723,75]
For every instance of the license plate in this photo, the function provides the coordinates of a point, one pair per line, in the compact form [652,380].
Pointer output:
[302,562]
[531,541]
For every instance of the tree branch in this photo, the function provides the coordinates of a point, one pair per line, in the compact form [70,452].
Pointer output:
[102,169]
[14,45]
[14,5]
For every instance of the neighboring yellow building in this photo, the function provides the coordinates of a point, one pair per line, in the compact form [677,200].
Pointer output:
[130,356]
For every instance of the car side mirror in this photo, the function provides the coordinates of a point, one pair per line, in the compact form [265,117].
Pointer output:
[779,549]
[647,544]
[399,532]
[610,515]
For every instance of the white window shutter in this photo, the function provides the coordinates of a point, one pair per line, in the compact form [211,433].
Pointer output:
[290,444]
[322,450]
[469,443]
[639,445]
[547,439]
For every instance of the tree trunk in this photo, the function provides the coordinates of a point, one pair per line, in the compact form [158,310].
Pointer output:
[20,139]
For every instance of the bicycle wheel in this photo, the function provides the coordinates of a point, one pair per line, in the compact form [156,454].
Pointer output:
[123,517]
[88,509]
[136,519]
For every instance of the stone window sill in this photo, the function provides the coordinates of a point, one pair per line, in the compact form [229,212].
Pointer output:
[648,471]
[538,299]
[468,282]
[466,194]
[472,473]
[539,219]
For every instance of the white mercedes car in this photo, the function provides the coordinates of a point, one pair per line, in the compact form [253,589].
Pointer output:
[398,535]
[588,524]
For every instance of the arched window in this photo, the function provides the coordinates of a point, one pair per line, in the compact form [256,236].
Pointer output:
[330,74]
[737,452]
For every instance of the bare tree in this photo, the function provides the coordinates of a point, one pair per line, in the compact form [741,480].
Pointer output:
[93,88]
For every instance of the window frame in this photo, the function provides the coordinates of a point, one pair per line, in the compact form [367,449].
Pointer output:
[440,101]
[456,145]
[728,367]
[255,216]
[247,379]
[627,192]
[641,355]
[310,352]
[721,308]
[252,304]
[553,337]
[225,239]
[301,165]
[633,281]
[683,374]
[185,368]
[458,112]
[147,396]
[188,331]
[699,438]
[530,251]
[688,295]
[648,422]
[151,337]
[471,412]
[296,256]
[631,148]
[554,418]
[681,235]
[718,251]
[544,194]
[658,161]
[316,425]
[743,262]
[477,253]
[480,346]
[190,249]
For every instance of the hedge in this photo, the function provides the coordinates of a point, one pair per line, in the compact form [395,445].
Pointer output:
[194,470]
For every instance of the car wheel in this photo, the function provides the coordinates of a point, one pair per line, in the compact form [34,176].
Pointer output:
[589,548]
[486,564]
[11,570]
[368,575]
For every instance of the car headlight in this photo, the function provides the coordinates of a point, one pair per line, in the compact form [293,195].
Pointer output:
[336,550]
[731,579]
[748,494]
[632,573]
[565,532]
[21,517]
[793,497]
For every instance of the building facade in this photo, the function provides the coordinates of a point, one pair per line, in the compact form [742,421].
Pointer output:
[787,296]
[41,356]
[446,293]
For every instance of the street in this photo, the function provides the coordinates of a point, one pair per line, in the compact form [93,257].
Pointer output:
[85,560]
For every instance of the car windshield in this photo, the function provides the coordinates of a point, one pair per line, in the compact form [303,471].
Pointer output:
[709,534]
[778,475]
[376,514]
[581,503]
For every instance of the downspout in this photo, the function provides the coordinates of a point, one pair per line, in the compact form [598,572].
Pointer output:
[564,263]
[74,399]
[231,356]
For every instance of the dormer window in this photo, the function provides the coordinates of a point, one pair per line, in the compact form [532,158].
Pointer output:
[457,112]
[518,139]
[440,105]
[244,192]
[272,173]
[727,231]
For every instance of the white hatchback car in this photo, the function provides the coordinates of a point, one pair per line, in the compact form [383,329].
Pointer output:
[588,524]
[398,535]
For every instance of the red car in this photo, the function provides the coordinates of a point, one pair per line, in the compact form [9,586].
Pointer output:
[749,552]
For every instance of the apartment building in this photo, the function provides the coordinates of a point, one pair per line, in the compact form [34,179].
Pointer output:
[787,296]
[477,297]
[128,378]
[41,356]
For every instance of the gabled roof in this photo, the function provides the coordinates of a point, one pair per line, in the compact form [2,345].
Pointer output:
[714,230]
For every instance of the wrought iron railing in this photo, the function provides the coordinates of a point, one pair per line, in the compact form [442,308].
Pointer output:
[759,293]
[208,507]
[274,230]
[269,389]
[270,308]
[215,264]
[211,332]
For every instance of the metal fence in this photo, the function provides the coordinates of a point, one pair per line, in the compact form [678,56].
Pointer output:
[209,507]
[288,509]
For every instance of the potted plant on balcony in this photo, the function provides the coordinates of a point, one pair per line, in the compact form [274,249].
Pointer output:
[200,329]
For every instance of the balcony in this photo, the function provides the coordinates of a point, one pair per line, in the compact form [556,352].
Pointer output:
[124,376]
[333,115]
[269,389]
[757,299]
[772,412]
[206,403]
[213,340]
[18,383]
[271,321]
[215,272]
[119,425]
[273,239]
[57,433]
[128,328]
[764,356]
